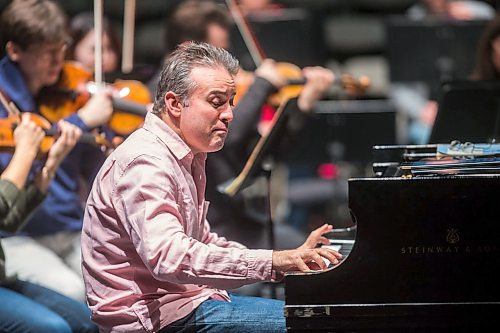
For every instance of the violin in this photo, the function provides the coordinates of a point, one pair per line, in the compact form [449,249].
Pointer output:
[290,71]
[7,126]
[74,89]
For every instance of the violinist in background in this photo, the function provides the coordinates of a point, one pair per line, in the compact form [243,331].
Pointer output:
[47,252]
[487,65]
[28,307]
[205,21]
[413,99]
[451,9]
[81,29]
[81,53]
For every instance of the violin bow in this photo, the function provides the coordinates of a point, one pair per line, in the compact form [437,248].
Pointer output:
[98,12]
[253,46]
[128,36]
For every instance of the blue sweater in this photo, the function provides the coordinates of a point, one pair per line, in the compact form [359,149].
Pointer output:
[62,209]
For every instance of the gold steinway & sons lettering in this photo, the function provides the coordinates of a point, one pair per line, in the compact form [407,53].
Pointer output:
[449,249]
[452,238]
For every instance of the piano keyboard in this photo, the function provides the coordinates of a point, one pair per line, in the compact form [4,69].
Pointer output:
[343,246]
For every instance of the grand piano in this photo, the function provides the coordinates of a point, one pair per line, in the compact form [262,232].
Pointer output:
[425,258]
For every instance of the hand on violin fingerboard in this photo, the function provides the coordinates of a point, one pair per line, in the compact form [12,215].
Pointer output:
[98,109]
[67,139]
[269,70]
[354,87]
[318,81]
[28,136]
[27,139]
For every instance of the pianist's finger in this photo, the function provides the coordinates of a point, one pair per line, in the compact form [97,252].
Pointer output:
[300,264]
[317,255]
[316,237]
[323,240]
[313,266]
[332,255]
[304,261]
[322,230]
[318,260]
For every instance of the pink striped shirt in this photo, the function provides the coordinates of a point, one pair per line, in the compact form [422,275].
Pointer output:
[149,257]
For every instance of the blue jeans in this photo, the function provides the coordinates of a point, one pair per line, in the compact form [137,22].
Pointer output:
[27,307]
[242,314]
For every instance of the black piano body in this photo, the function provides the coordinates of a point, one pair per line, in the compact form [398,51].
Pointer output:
[426,258]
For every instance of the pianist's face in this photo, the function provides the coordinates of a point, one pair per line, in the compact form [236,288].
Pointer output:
[204,119]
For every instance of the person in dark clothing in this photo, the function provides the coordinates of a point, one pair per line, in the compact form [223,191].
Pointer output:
[487,65]
[205,21]
[227,163]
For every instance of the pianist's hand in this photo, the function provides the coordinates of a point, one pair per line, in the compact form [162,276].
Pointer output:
[316,237]
[304,259]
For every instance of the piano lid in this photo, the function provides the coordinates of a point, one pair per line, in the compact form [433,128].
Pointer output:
[422,240]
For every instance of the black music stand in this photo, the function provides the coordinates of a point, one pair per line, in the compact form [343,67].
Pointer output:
[431,50]
[468,111]
[290,35]
[352,130]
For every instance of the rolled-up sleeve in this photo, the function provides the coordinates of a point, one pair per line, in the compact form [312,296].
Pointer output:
[149,198]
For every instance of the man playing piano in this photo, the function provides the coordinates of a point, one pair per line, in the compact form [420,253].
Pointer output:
[150,261]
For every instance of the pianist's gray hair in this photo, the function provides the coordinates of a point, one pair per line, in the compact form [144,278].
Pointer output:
[175,75]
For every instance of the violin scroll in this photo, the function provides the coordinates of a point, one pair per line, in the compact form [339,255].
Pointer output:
[355,86]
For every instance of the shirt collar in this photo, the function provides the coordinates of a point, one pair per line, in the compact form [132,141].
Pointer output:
[14,85]
[171,139]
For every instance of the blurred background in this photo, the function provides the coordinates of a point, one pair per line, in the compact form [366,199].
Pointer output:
[405,52]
